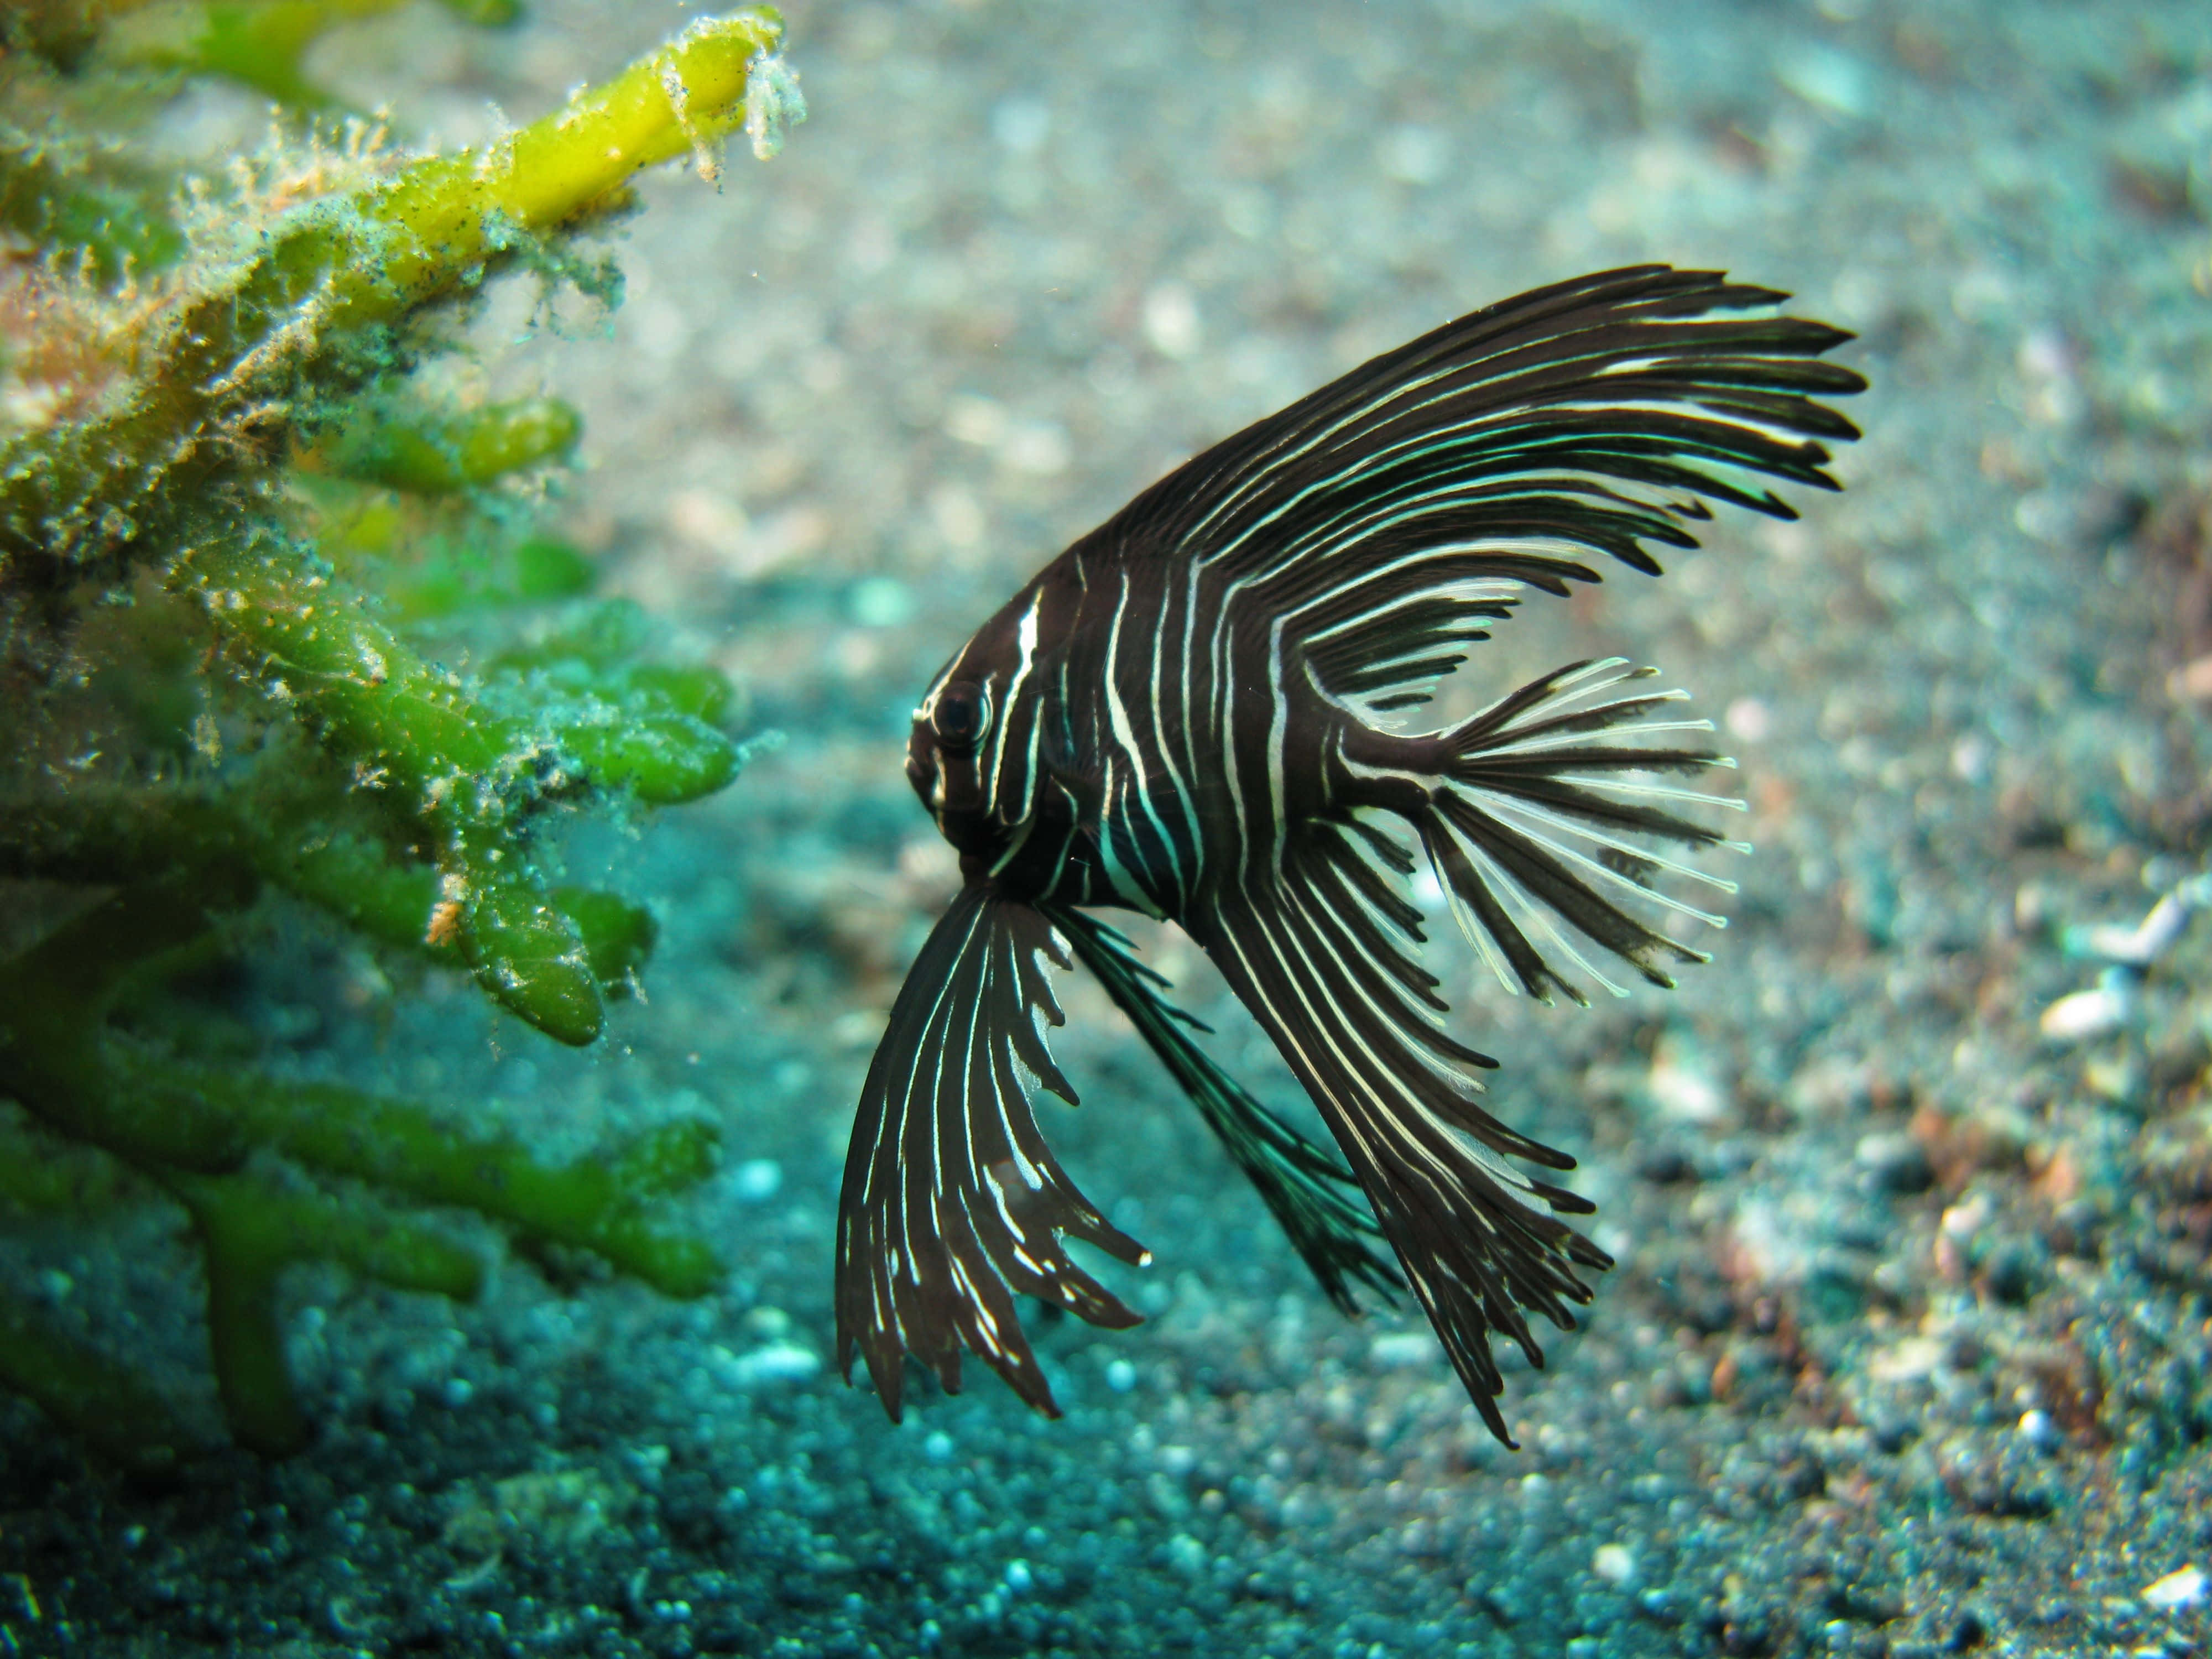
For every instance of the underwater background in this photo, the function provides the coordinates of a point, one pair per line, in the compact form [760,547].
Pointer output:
[1908,1347]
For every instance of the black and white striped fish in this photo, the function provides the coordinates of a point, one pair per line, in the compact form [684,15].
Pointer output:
[1193,712]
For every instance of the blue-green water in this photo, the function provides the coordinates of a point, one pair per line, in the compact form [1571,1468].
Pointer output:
[1907,1347]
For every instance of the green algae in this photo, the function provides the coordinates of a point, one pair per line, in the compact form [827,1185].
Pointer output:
[81,203]
[277,636]
[261,44]
[433,456]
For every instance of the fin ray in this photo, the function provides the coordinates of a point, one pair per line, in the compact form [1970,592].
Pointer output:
[1303,1185]
[951,1200]
[1480,1243]
[1533,852]
[1596,415]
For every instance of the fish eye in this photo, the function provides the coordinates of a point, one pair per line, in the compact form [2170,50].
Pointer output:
[960,715]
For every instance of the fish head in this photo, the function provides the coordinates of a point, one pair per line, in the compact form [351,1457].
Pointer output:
[948,761]
[973,755]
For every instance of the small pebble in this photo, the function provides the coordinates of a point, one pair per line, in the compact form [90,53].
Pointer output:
[1171,322]
[758,1179]
[1399,1349]
[778,1362]
[1021,125]
[880,602]
[1414,155]
[1120,1376]
[1614,1563]
[1660,1604]
[2115,1078]
[2185,1587]
[1683,1090]
[1748,719]
[1967,1217]
[2013,1273]
[1186,1555]
[1896,1162]
[2082,1015]
[2137,946]
[2040,1431]
[768,1323]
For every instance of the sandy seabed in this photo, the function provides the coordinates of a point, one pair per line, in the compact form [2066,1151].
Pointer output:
[1909,1350]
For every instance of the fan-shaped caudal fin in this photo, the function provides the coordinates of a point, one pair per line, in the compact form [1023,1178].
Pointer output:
[1312,1196]
[1308,952]
[1547,819]
[951,1199]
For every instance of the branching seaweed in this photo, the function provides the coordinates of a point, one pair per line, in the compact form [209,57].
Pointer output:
[237,544]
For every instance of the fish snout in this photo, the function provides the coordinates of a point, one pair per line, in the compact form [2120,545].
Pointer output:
[921,773]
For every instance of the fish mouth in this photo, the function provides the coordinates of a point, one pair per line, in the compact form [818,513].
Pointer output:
[923,777]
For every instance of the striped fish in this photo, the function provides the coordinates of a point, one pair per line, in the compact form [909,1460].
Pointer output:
[1197,713]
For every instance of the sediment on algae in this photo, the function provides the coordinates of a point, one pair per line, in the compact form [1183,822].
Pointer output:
[241,553]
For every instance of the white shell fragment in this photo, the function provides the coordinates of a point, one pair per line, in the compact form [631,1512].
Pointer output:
[1614,1563]
[2137,946]
[1397,1350]
[2082,1015]
[775,1362]
[2183,1588]
[2129,953]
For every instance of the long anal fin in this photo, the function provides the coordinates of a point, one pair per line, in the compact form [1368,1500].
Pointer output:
[1311,1194]
[951,1200]
[1481,1244]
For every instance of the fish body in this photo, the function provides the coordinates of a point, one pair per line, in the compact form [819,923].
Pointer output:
[1196,712]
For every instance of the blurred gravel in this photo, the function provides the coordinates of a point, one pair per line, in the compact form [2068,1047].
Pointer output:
[1910,1348]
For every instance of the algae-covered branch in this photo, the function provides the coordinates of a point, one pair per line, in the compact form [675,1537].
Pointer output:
[279,635]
